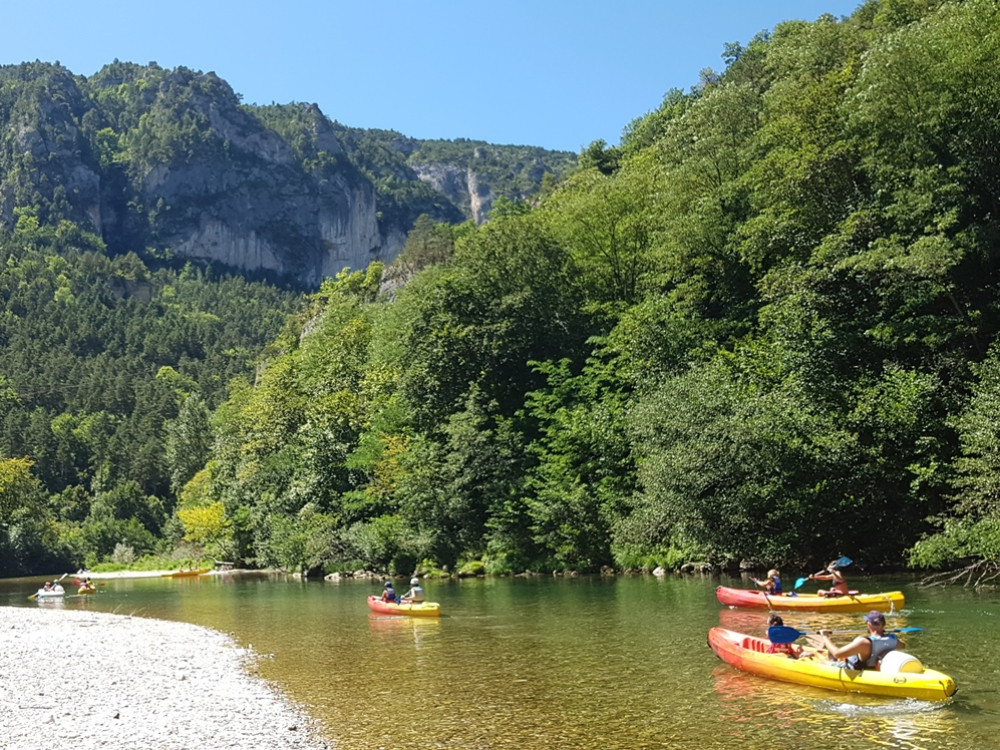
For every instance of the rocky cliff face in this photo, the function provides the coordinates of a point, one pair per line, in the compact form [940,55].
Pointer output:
[171,161]
[462,186]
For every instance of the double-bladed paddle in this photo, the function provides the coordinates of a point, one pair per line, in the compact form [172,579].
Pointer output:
[840,562]
[786,634]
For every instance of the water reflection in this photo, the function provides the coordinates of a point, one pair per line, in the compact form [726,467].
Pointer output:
[569,663]
[404,630]
[765,710]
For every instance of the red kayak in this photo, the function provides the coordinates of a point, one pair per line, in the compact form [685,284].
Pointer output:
[851,602]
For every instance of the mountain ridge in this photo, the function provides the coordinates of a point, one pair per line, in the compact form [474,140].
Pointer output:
[171,163]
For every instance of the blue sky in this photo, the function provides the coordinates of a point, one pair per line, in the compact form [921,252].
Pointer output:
[551,73]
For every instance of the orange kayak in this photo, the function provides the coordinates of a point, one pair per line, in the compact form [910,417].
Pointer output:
[907,678]
[414,609]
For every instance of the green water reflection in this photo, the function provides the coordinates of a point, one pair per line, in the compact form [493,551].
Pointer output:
[569,663]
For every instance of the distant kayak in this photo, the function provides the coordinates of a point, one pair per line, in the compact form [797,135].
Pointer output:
[901,675]
[416,609]
[55,592]
[186,573]
[887,601]
[87,589]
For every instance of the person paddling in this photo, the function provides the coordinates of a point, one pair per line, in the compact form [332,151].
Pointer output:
[789,649]
[865,651]
[771,584]
[833,573]
[389,594]
[415,594]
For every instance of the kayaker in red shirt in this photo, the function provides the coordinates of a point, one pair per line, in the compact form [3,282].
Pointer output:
[782,648]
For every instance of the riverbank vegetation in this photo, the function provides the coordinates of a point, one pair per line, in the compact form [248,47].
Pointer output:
[762,327]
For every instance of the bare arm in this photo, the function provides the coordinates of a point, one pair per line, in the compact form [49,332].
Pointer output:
[859,646]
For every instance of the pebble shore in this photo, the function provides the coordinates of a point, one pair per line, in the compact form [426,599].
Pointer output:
[87,680]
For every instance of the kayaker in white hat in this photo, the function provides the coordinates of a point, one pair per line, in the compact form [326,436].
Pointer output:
[416,593]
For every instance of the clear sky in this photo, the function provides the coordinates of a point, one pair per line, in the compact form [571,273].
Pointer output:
[552,73]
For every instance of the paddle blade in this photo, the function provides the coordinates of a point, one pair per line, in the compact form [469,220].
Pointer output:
[782,634]
[905,630]
[800,582]
[843,562]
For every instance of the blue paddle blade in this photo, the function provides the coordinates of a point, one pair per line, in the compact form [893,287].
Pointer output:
[782,634]
[843,562]
[799,582]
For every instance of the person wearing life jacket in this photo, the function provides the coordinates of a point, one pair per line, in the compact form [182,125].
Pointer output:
[771,584]
[415,594]
[789,649]
[865,651]
[833,573]
[389,594]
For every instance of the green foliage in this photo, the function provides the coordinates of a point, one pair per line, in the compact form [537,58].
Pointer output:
[761,328]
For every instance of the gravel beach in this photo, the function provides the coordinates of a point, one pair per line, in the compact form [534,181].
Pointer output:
[137,683]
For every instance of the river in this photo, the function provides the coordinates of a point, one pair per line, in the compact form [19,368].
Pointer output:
[588,662]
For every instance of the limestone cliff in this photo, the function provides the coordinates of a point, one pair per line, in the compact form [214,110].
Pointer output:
[170,162]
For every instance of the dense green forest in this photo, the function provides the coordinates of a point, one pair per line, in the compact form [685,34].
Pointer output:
[761,328]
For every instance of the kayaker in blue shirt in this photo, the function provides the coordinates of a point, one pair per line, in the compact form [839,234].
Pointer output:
[771,584]
[865,651]
[389,594]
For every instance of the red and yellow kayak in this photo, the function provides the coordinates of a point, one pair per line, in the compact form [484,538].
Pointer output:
[415,609]
[887,601]
[909,680]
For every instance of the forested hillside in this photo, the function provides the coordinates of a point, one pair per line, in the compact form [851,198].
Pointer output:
[170,165]
[762,328]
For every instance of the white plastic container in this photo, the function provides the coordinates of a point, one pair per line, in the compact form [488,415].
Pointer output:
[895,662]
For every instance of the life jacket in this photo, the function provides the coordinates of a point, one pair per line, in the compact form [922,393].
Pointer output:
[776,590]
[881,645]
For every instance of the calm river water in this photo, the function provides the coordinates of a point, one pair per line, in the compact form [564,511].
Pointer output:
[542,663]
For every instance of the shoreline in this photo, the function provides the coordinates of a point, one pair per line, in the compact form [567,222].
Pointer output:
[117,574]
[86,680]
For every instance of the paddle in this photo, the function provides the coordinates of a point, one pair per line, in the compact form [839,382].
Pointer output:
[34,596]
[840,562]
[786,634]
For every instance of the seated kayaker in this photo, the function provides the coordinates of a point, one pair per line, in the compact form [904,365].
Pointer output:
[771,584]
[389,594]
[415,594]
[782,648]
[832,573]
[865,651]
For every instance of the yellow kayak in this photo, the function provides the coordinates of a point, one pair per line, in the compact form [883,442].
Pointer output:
[886,601]
[87,589]
[907,679]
